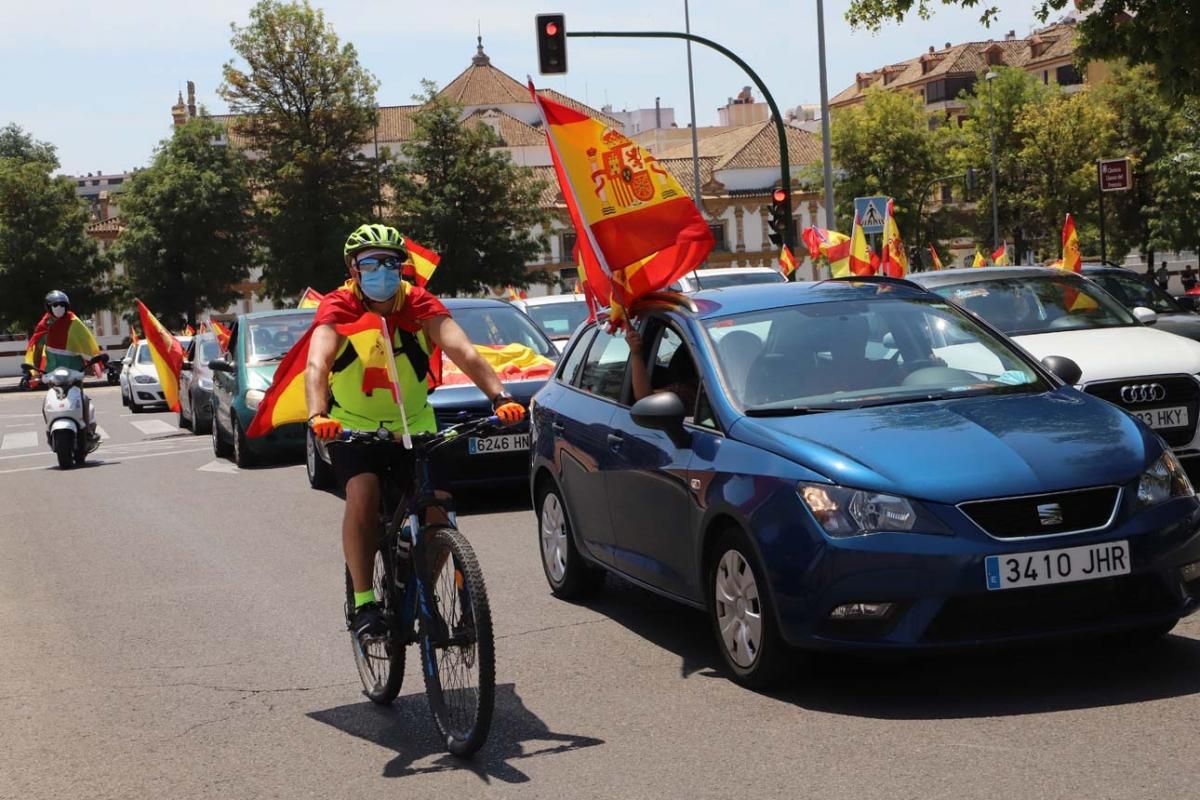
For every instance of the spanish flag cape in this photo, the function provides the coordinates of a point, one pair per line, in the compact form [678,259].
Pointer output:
[166,352]
[67,336]
[637,229]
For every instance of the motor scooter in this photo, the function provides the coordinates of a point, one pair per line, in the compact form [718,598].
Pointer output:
[70,418]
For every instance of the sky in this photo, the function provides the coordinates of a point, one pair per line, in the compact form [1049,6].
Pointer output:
[97,80]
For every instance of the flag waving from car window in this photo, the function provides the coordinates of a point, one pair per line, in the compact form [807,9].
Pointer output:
[165,352]
[638,230]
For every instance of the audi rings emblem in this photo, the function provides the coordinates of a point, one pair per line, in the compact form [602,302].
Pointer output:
[1143,392]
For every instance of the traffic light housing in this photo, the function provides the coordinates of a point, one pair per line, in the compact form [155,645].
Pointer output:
[779,217]
[552,44]
[971,181]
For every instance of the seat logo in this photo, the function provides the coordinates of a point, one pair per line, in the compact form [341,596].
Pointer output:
[1050,514]
[1143,392]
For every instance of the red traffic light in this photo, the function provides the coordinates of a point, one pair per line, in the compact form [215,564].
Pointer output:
[779,196]
[551,29]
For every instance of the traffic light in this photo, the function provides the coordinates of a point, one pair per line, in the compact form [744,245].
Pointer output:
[971,181]
[780,216]
[552,44]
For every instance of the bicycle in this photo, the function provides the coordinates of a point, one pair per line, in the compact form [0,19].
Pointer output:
[444,611]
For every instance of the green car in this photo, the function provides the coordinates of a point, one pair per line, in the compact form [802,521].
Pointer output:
[258,342]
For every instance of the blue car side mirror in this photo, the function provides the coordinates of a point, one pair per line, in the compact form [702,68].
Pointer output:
[662,411]
[1066,369]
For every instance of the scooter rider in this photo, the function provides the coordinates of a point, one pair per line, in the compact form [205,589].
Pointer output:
[61,339]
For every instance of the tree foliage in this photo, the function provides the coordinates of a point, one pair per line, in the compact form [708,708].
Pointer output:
[187,235]
[1162,33]
[305,107]
[42,241]
[884,146]
[454,194]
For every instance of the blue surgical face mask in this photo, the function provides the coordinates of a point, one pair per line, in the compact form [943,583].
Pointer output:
[379,285]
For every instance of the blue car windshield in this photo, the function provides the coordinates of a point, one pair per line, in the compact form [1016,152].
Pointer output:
[853,354]
[271,337]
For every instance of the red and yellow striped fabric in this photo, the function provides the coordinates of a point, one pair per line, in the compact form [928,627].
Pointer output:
[310,299]
[787,261]
[638,229]
[862,259]
[512,362]
[421,264]
[1072,261]
[223,333]
[165,352]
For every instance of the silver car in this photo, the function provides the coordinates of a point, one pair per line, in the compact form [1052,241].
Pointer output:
[196,384]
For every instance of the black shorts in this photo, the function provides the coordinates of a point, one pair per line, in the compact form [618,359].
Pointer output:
[385,460]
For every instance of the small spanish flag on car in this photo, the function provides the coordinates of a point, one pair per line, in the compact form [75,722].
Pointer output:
[787,261]
[310,299]
[165,352]
[422,263]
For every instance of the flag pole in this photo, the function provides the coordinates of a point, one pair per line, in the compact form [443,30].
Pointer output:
[687,27]
[395,379]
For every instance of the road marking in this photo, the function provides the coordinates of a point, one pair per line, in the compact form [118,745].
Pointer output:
[102,462]
[151,426]
[162,442]
[16,441]
[217,465]
[103,434]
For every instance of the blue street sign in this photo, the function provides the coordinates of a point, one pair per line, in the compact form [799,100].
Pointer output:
[871,212]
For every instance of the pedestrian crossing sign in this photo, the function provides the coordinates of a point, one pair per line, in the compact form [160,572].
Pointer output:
[871,212]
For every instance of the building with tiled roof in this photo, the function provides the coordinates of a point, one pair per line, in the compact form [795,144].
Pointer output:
[940,74]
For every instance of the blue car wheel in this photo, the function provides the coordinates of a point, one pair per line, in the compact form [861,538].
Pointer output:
[742,615]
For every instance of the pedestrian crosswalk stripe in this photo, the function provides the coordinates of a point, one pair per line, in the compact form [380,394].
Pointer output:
[103,434]
[15,441]
[216,465]
[152,426]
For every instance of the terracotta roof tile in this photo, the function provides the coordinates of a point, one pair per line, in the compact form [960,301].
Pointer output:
[718,145]
[395,122]
[484,85]
[762,150]
[513,132]
[110,225]
[681,168]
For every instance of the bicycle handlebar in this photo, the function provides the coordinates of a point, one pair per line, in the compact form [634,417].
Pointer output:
[423,441]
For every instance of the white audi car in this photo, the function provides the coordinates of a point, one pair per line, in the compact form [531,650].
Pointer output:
[1152,374]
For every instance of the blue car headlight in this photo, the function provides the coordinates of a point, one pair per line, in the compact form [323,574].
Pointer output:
[843,512]
[1164,480]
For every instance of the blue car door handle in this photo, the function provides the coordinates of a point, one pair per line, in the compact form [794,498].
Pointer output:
[557,427]
[614,440]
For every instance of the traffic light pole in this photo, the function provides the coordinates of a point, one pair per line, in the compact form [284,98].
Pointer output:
[789,233]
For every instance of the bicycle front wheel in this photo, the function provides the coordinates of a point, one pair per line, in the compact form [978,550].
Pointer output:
[457,649]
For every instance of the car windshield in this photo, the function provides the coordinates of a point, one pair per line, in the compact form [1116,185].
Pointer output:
[501,325]
[1134,292]
[209,350]
[558,319]
[143,355]
[703,281]
[1039,303]
[854,354]
[271,337]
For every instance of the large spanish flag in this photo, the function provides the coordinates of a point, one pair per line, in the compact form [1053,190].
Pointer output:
[1072,261]
[165,352]
[637,227]
[512,362]
[895,260]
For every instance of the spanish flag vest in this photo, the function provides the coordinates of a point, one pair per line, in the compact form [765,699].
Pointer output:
[363,401]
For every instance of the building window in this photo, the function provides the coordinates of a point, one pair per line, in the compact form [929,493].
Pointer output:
[935,92]
[115,181]
[718,232]
[1067,75]
[567,254]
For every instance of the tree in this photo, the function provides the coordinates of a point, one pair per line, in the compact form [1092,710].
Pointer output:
[305,107]
[1176,181]
[1163,33]
[884,146]
[1060,140]
[994,108]
[187,235]
[42,241]
[472,205]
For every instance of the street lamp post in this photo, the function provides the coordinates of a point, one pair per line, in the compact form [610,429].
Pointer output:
[826,154]
[991,76]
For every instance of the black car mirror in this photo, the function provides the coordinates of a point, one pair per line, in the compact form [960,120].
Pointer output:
[220,365]
[1066,369]
[662,411]
[186,365]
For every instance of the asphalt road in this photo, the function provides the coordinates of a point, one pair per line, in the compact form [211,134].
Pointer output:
[171,627]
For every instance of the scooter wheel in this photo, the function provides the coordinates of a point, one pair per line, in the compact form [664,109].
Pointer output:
[64,448]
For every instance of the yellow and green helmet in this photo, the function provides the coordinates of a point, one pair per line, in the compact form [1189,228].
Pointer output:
[366,237]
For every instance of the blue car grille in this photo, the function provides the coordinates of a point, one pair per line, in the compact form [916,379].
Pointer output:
[1180,390]
[1044,514]
[1049,609]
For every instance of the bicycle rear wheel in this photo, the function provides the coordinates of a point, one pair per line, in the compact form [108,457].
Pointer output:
[381,662]
[457,649]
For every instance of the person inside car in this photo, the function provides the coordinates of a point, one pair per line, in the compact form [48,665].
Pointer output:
[336,396]
[680,376]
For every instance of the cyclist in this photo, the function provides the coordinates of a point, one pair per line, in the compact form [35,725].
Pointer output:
[337,398]
[61,339]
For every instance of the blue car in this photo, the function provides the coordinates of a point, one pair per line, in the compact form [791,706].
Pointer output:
[855,465]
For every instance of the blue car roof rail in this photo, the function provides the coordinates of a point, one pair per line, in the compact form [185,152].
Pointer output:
[879,279]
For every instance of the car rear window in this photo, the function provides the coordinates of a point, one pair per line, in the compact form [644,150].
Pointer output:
[604,368]
[558,319]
